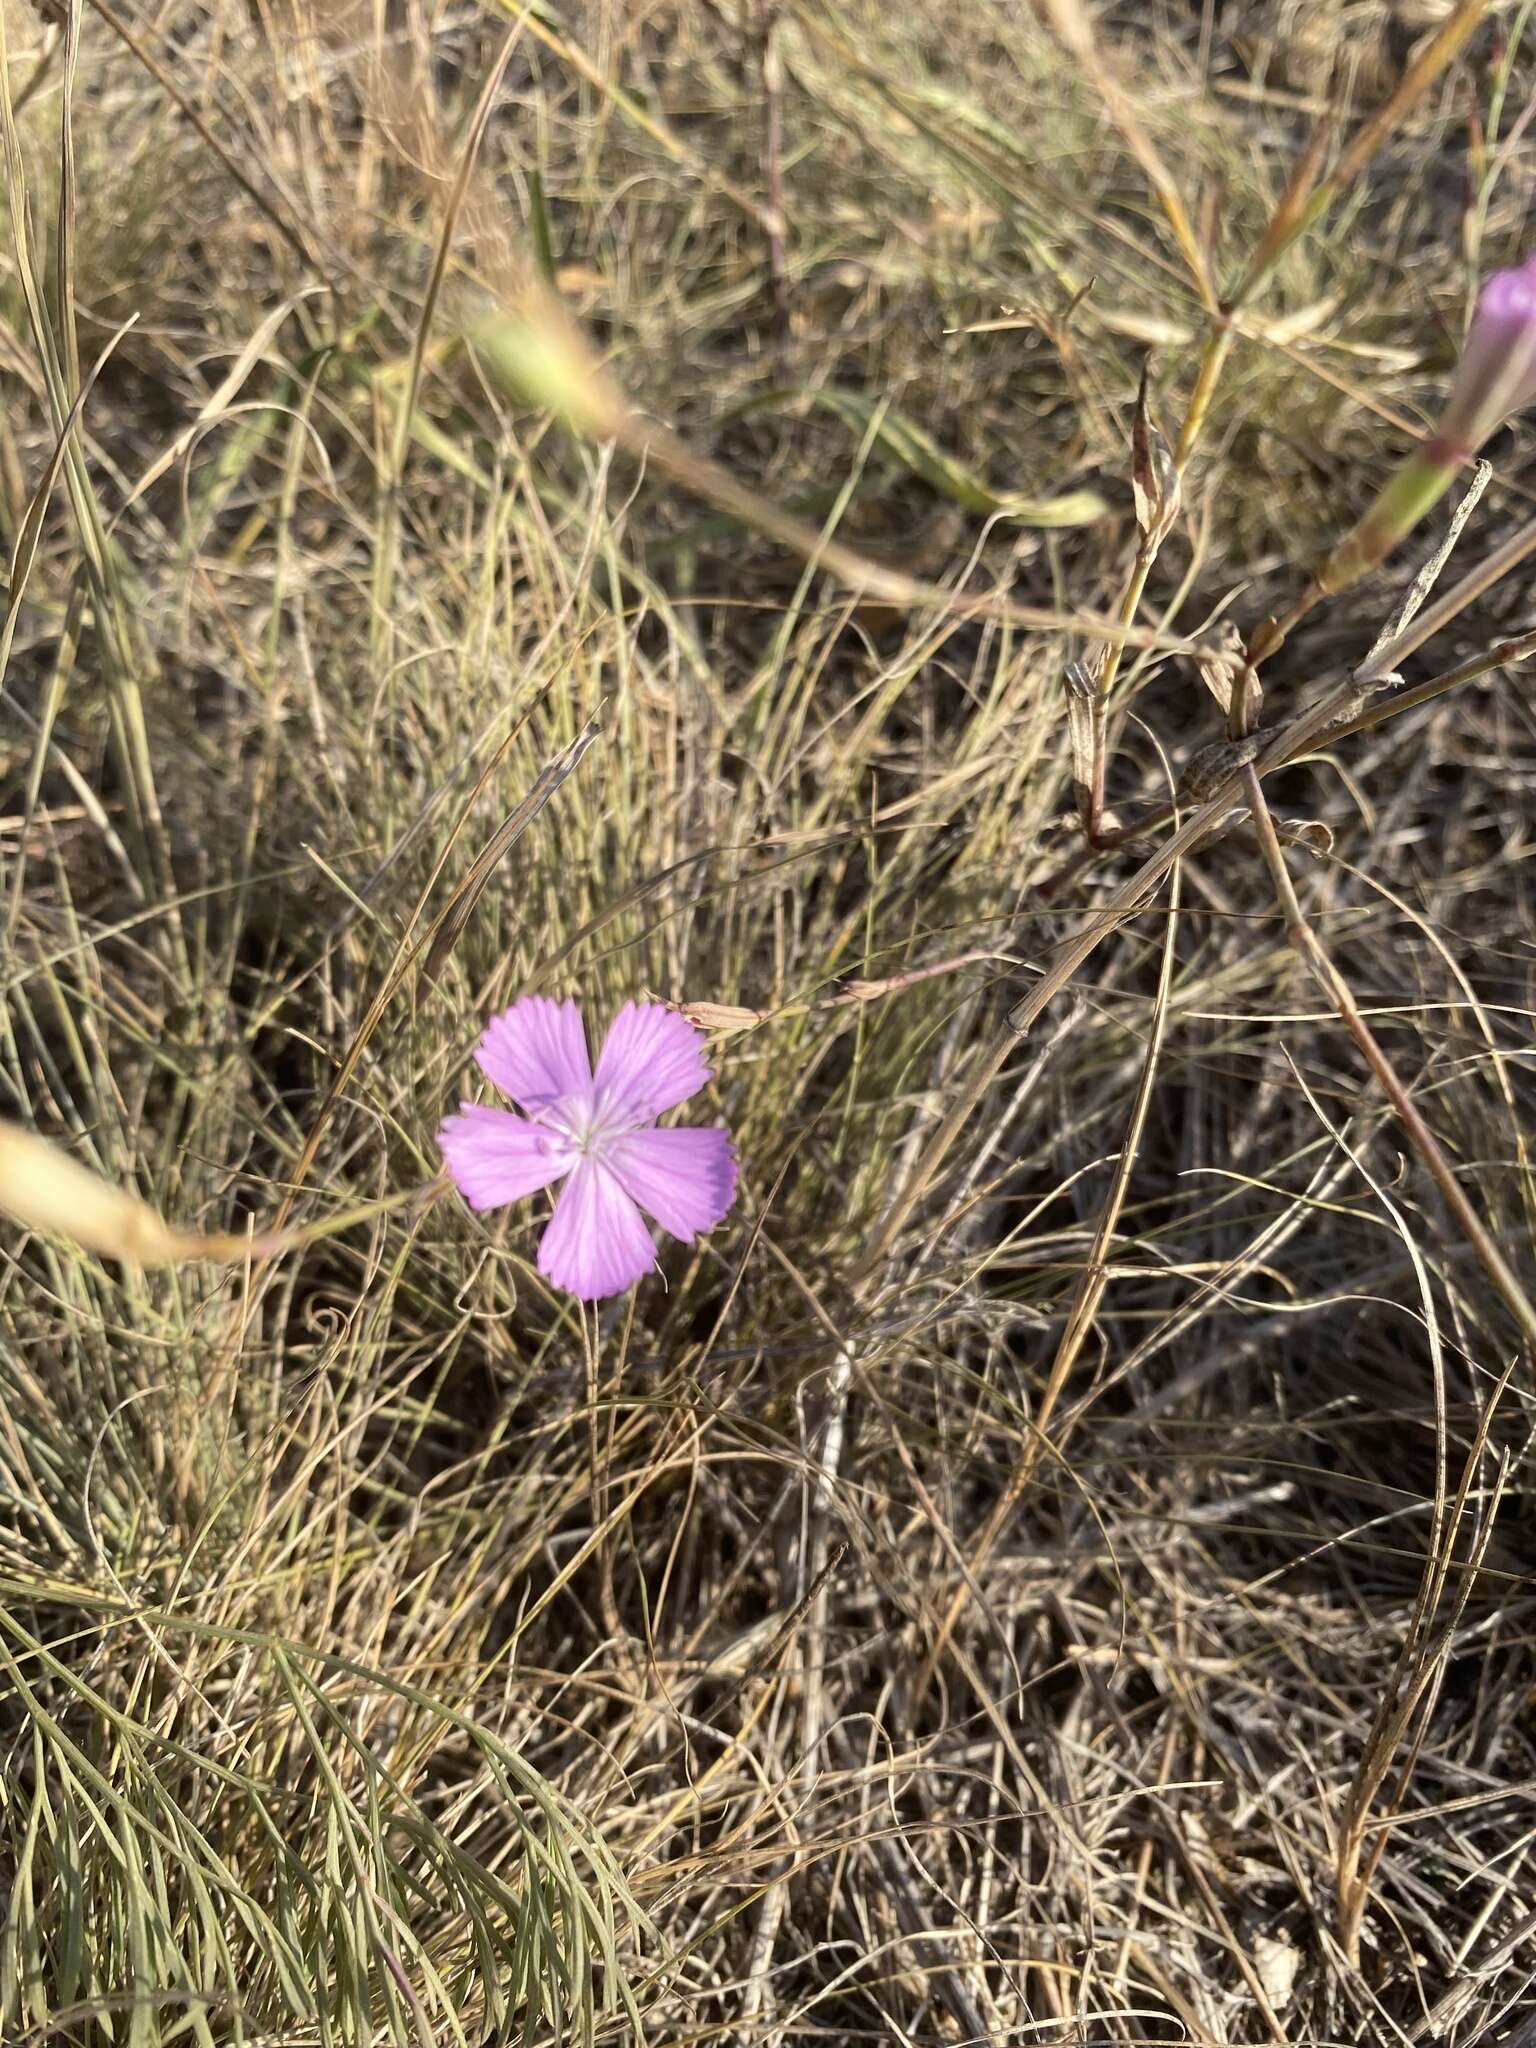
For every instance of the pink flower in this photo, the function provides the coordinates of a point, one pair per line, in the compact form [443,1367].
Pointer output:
[597,1133]
[1498,364]
[1497,377]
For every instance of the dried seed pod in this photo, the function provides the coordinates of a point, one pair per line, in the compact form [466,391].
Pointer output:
[1207,770]
[1219,671]
[1082,695]
[720,1017]
[1311,834]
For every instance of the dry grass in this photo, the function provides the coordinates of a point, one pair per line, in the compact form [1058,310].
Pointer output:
[1057,1565]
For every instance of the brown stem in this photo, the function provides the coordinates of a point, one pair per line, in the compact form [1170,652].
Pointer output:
[1240,717]
[1130,604]
[1508,555]
[1089,847]
[1303,202]
[1093,809]
[1299,212]
[1092,1282]
[1327,722]
[771,70]
[1307,945]
[1518,649]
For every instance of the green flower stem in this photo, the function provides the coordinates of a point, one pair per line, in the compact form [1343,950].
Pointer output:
[1417,487]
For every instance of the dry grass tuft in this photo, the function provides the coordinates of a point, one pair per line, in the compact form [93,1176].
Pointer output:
[1057,1565]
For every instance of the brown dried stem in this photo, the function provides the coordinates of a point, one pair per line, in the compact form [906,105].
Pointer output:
[771,71]
[1310,949]
[1085,1306]
[1300,206]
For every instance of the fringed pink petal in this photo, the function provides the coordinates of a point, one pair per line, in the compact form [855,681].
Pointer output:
[496,1157]
[596,1243]
[536,1052]
[686,1179]
[651,1060]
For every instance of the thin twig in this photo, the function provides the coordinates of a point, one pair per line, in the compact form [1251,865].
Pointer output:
[1092,1282]
[771,71]
[1307,945]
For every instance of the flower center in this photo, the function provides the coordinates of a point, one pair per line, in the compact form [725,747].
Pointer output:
[588,1122]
